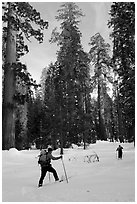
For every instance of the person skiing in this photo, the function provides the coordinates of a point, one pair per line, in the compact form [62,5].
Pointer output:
[120,153]
[45,162]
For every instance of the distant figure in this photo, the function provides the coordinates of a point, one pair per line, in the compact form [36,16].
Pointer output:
[45,162]
[120,152]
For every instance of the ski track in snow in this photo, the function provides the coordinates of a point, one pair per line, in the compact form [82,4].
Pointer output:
[109,180]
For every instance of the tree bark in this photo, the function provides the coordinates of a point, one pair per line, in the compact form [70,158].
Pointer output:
[8,111]
[120,120]
[61,135]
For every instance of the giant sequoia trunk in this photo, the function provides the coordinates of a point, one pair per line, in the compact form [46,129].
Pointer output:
[120,119]
[8,111]
[61,132]
[101,126]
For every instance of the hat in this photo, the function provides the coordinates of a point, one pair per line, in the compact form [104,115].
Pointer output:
[50,149]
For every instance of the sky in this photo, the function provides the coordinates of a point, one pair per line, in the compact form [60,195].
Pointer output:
[95,20]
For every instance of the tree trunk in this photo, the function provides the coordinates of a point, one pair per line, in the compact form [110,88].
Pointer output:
[120,125]
[61,135]
[99,111]
[102,131]
[8,111]
[101,124]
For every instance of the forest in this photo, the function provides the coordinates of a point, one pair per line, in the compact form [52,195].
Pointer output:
[72,104]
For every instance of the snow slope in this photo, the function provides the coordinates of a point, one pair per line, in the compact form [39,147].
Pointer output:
[109,180]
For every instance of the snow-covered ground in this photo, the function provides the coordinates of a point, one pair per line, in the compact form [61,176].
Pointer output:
[109,180]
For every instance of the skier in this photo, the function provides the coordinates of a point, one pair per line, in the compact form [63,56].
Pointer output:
[45,162]
[120,153]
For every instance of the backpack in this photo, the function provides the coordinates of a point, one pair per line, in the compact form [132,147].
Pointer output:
[43,160]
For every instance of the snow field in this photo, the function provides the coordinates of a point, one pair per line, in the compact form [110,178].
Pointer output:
[109,180]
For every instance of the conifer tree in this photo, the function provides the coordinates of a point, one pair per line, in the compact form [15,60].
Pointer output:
[122,21]
[100,59]
[18,18]
[71,81]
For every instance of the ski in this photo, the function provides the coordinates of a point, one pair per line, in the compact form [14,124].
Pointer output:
[60,181]
[47,184]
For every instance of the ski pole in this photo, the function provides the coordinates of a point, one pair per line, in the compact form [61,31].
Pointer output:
[64,170]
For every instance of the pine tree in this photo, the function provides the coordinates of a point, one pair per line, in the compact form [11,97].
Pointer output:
[34,122]
[71,81]
[51,109]
[100,59]
[123,24]
[18,16]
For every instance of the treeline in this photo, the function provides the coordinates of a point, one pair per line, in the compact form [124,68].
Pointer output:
[74,104]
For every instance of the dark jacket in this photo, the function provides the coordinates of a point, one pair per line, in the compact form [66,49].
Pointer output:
[119,149]
[45,159]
